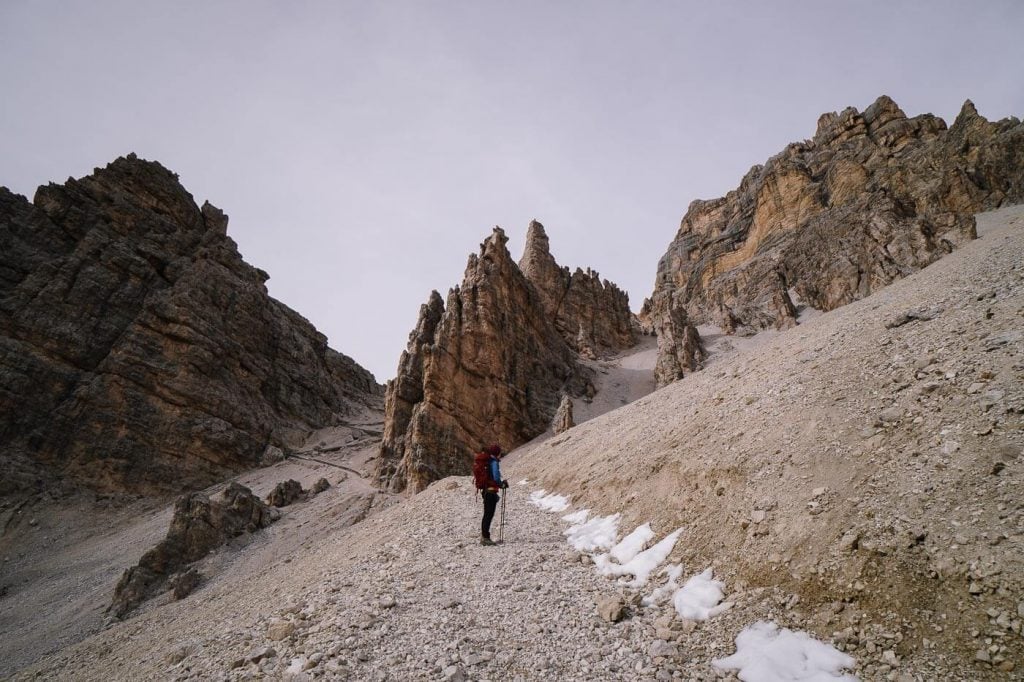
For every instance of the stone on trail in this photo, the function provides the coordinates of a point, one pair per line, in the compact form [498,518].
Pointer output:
[611,609]
[280,629]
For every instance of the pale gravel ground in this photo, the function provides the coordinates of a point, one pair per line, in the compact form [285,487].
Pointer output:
[758,431]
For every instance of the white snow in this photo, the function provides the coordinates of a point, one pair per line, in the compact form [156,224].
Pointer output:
[577,517]
[674,572]
[525,481]
[631,545]
[599,532]
[641,565]
[765,653]
[549,501]
[699,598]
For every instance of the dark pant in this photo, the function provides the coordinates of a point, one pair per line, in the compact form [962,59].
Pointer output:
[490,504]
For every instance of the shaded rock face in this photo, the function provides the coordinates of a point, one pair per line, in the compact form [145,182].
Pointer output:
[490,365]
[592,316]
[138,351]
[198,526]
[871,198]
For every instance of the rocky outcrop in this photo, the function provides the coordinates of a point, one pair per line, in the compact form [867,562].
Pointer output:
[285,493]
[138,351]
[563,420]
[489,365]
[198,526]
[872,197]
[592,315]
[289,492]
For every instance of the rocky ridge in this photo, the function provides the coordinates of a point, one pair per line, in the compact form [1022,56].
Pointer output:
[138,351]
[493,362]
[486,366]
[872,197]
[592,315]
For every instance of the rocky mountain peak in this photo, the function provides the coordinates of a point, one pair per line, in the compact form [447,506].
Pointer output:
[139,351]
[537,262]
[871,198]
[492,363]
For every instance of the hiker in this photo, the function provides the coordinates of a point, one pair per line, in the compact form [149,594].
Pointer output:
[487,476]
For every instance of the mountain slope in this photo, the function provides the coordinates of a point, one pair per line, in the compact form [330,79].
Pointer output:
[870,457]
[846,478]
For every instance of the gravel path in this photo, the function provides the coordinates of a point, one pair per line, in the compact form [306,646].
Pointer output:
[410,594]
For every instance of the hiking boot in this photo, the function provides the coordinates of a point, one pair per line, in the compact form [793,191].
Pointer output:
[487,542]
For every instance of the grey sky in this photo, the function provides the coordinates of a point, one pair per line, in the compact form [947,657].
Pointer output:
[363,149]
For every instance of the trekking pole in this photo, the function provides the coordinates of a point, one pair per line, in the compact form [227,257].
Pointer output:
[501,526]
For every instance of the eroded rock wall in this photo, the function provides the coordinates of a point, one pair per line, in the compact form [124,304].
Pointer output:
[592,315]
[487,365]
[138,351]
[872,197]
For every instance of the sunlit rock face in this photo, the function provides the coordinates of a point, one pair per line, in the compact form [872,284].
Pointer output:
[138,351]
[491,364]
[872,197]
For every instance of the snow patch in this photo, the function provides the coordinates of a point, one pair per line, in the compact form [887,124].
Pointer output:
[599,532]
[641,565]
[631,545]
[765,653]
[577,517]
[699,598]
[549,501]
[674,572]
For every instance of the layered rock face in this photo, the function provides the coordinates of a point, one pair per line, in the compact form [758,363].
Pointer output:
[592,316]
[492,363]
[138,351]
[871,198]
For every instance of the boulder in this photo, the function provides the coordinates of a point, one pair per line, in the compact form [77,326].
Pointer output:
[285,493]
[611,609]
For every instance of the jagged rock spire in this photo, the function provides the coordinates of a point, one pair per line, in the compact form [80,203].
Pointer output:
[492,363]
[489,366]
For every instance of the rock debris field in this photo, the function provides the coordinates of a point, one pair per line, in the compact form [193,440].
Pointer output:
[410,594]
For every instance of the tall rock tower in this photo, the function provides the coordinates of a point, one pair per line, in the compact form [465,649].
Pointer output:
[492,362]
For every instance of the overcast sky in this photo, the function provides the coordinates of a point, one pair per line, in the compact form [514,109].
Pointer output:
[363,150]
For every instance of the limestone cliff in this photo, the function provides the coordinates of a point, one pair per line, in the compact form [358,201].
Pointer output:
[138,351]
[872,197]
[592,316]
[492,363]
